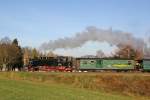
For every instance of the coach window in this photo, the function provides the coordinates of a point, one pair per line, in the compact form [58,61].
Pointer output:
[92,61]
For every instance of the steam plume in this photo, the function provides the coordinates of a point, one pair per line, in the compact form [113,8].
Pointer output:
[117,38]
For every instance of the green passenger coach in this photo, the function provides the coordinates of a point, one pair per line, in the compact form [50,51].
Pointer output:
[146,64]
[105,64]
[90,63]
[123,64]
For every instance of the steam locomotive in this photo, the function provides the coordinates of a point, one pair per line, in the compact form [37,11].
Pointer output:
[59,63]
[65,64]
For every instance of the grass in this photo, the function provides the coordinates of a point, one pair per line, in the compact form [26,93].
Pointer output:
[69,86]
[21,90]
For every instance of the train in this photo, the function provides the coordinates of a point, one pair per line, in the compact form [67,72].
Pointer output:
[60,64]
[70,64]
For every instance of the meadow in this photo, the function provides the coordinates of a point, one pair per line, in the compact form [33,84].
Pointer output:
[74,86]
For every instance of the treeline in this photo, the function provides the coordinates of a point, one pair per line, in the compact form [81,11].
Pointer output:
[11,54]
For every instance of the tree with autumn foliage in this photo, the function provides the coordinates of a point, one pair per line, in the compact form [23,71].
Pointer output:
[128,52]
[10,54]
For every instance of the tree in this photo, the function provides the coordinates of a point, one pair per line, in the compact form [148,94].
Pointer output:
[127,52]
[27,53]
[15,42]
[10,54]
[5,40]
[19,54]
[35,53]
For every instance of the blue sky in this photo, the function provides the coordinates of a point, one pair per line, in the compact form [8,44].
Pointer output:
[36,21]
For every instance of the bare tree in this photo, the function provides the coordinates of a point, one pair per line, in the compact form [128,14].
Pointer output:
[127,51]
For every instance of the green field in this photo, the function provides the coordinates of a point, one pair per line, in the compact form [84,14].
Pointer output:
[51,86]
